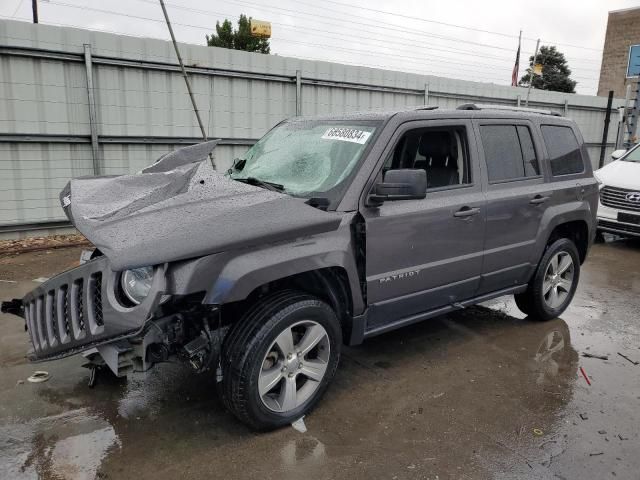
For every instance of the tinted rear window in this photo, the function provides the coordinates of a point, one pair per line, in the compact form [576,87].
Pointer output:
[508,152]
[563,148]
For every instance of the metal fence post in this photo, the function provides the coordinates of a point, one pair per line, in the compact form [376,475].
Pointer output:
[298,93]
[518,100]
[93,123]
[426,94]
[605,130]
[566,107]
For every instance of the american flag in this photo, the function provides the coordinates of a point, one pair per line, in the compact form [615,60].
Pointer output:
[516,66]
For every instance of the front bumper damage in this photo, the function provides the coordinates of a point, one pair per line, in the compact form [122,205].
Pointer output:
[79,310]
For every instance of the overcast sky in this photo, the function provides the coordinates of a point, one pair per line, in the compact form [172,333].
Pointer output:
[468,39]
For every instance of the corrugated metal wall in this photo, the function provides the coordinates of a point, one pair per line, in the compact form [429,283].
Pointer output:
[142,108]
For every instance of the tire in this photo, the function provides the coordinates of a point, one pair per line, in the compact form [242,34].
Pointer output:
[549,293]
[264,386]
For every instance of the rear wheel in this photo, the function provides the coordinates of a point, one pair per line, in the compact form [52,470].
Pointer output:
[279,359]
[552,288]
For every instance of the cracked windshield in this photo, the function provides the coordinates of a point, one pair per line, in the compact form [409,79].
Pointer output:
[303,157]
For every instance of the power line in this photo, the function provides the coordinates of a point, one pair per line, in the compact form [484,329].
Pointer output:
[418,59]
[437,22]
[359,36]
[17,8]
[392,27]
[138,17]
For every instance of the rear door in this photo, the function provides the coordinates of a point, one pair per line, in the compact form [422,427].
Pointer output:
[517,196]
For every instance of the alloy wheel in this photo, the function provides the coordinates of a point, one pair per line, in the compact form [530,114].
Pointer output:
[558,279]
[294,366]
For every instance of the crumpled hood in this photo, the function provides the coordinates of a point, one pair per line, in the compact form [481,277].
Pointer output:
[620,174]
[181,208]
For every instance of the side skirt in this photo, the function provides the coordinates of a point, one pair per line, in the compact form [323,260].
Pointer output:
[360,333]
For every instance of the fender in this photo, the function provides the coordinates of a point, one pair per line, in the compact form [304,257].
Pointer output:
[557,215]
[231,276]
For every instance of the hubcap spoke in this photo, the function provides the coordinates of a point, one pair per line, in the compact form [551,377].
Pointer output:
[269,379]
[285,342]
[311,338]
[553,296]
[553,265]
[564,264]
[546,286]
[288,395]
[314,369]
[564,285]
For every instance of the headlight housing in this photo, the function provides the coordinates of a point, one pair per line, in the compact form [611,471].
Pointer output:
[136,283]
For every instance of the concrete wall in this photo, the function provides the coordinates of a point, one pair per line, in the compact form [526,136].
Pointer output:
[142,109]
[623,30]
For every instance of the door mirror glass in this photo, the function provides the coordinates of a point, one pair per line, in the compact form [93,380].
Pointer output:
[400,184]
[617,154]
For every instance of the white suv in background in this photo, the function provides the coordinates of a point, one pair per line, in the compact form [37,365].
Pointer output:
[619,209]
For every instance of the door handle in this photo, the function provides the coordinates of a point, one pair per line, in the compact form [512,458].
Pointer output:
[466,212]
[538,199]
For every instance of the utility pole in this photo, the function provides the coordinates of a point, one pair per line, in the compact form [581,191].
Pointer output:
[186,78]
[531,74]
[34,8]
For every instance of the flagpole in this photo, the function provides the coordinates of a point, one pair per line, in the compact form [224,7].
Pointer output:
[516,67]
[531,73]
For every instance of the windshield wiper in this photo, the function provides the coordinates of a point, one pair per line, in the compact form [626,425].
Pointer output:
[274,187]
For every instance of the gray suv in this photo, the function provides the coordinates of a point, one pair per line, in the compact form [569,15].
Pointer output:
[329,230]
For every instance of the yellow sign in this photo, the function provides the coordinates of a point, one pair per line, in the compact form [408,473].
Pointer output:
[537,69]
[260,29]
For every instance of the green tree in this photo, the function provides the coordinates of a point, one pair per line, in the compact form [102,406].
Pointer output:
[555,72]
[238,39]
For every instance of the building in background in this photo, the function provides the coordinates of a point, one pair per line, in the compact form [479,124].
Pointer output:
[623,31]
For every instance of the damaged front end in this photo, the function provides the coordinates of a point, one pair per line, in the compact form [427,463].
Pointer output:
[86,310]
[144,227]
[95,308]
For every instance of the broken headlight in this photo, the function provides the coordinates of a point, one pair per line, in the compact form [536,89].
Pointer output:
[136,283]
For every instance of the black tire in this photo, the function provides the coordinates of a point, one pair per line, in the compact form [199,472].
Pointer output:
[250,339]
[532,302]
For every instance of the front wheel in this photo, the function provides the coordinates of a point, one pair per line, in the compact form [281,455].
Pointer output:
[279,359]
[554,284]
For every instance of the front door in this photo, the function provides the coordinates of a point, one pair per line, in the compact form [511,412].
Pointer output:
[424,254]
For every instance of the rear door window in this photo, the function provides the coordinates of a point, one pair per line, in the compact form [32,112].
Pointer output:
[563,148]
[508,152]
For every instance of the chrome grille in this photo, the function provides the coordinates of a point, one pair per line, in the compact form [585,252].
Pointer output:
[615,197]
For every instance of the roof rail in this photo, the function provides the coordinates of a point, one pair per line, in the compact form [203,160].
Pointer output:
[427,107]
[482,106]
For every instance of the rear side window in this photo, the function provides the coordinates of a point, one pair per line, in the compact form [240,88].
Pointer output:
[563,148]
[508,152]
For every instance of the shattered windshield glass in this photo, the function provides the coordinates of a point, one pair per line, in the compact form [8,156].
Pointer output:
[305,158]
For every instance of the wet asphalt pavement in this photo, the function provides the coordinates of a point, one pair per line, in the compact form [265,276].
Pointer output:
[482,393]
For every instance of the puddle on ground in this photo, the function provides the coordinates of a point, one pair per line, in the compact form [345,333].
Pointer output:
[481,393]
[69,446]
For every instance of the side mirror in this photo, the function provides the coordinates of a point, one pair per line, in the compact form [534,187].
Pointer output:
[402,184]
[617,154]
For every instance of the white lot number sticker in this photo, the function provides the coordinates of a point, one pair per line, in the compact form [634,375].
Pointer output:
[346,135]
